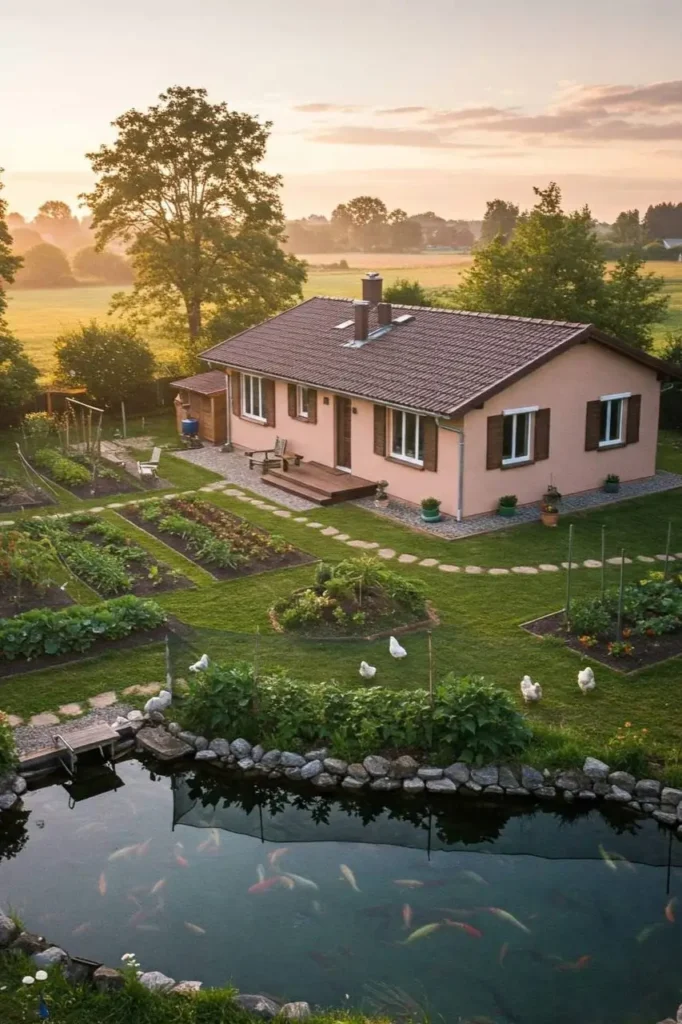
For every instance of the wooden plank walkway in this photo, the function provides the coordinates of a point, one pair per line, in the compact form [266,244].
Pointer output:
[67,747]
[321,484]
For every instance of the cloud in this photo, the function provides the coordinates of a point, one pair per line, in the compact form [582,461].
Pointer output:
[402,110]
[659,96]
[324,108]
[370,135]
[468,114]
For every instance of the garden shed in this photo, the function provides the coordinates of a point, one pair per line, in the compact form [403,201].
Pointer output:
[204,397]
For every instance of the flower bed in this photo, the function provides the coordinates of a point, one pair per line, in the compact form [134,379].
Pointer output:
[651,627]
[15,495]
[218,540]
[358,595]
[26,568]
[75,474]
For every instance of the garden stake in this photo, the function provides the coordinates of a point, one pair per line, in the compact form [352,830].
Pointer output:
[667,549]
[429,641]
[620,594]
[169,670]
[123,419]
[603,559]
[567,610]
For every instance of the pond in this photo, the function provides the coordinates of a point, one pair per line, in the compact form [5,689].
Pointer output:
[470,911]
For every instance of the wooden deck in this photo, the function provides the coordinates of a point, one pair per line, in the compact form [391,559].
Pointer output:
[74,742]
[321,484]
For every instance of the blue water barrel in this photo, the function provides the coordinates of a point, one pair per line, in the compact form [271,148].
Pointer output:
[190,427]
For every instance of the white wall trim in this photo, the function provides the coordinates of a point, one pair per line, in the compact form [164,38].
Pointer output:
[611,398]
[516,412]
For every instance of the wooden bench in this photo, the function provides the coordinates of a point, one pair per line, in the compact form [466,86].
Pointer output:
[273,457]
[150,469]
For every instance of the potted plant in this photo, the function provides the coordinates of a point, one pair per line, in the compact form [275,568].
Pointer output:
[551,496]
[549,514]
[380,496]
[506,506]
[612,483]
[430,510]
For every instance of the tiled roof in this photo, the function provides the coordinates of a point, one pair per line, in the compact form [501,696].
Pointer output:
[203,383]
[438,362]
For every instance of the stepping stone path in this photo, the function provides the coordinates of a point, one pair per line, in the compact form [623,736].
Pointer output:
[283,514]
[300,519]
[342,536]
[386,553]
[315,526]
[46,718]
[664,558]
[645,558]
[428,563]
[103,700]
[525,570]
[14,721]
[329,531]
[142,689]
[590,563]
[616,560]
[473,570]
[573,565]
[444,567]
[407,559]
[498,572]
[70,710]
[548,567]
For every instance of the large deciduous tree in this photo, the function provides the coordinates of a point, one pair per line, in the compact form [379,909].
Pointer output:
[181,187]
[109,267]
[499,220]
[45,266]
[663,221]
[552,267]
[364,221]
[18,375]
[112,363]
[627,228]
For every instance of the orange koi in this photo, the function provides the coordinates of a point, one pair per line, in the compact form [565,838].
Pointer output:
[157,887]
[407,916]
[102,884]
[143,848]
[408,883]
[504,949]
[275,855]
[265,884]
[472,932]
[575,965]
[670,910]
[205,845]
[82,928]
[181,861]
[197,929]
[137,918]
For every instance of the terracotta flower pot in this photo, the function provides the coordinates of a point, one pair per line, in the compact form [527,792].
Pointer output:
[549,518]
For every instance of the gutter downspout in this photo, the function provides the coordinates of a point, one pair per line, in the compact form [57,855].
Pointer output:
[460,481]
[228,447]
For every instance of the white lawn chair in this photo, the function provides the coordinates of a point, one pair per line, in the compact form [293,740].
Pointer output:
[149,470]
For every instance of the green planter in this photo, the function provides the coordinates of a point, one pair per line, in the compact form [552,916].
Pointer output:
[506,510]
[431,515]
[612,486]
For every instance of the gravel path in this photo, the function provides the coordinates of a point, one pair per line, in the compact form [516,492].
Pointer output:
[235,468]
[31,737]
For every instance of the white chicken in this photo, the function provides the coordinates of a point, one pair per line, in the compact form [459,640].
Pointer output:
[159,703]
[530,691]
[367,671]
[201,665]
[586,680]
[395,649]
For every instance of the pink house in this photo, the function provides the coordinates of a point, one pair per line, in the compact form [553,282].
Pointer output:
[464,407]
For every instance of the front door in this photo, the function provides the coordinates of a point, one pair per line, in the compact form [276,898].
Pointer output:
[343,413]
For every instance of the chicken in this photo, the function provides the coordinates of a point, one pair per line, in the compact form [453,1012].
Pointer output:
[395,649]
[586,680]
[367,671]
[159,703]
[530,691]
[201,665]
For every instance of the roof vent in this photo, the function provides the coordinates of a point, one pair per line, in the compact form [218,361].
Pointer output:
[404,319]
[342,326]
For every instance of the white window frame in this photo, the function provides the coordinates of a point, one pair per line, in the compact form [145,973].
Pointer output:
[621,397]
[529,410]
[403,413]
[249,381]
[301,412]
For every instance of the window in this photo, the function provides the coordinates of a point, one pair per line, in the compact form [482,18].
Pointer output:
[517,427]
[611,420]
[252,397]
[302,402]
[408,440]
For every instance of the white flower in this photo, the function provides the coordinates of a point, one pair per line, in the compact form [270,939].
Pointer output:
[41,975]
[28,980]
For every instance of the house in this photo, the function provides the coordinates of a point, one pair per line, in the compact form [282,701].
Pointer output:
[462,406]
[203,397]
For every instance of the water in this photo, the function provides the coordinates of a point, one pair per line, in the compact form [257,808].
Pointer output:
[200,843]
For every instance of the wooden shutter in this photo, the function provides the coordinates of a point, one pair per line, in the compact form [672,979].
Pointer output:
[269,401]
[380,430]
[592,426]
[541,435]
[494,449]
[291,394]
[634,411]
[236,383]
[430,440]
[312,405]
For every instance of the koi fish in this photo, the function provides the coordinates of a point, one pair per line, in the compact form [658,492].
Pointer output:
[181,861]
[123,853]
[275,855]
[575,965]
[102,884]
[143,848]
[157,887]
[670,910]
[407,916]
[647,932]
[472,876]
[625,862]
[421,933]
[265,884]
[260,871]
[504,949]
[317,906]
[132,898]
[408,883]
[607,858]
[82,928]
[204,845]
[286,881]
[349,877]
[197,929]
[474,933]
[215,835]
[305,883]
[137,917]
[504,915]
[147,927]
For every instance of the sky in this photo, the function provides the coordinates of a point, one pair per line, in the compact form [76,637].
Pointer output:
[436,104]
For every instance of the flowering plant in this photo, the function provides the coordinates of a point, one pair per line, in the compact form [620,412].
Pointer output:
[587,640]
[626,748]
[28,981]
[621,649]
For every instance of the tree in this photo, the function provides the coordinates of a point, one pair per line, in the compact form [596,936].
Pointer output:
[104,266]
[407,293]
[9,263]
[553,268]
[18,375]
[627,228]
[56,222]
[181,187]
[24,239]
[45,266]
[364,220]
[663,221]
[404,234]
[499,219]
[110,362]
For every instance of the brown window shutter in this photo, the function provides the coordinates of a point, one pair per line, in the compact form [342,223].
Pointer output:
[592,426]
[291,394]
[236,383]
[494,451]
[380,430]
[430,439]
[541,435]
[312,405]
[634,412]
[269,401]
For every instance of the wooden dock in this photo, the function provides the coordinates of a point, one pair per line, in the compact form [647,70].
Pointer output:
[67,747]
[321,484]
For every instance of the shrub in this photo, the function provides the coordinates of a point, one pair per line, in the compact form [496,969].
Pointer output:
[24,559]
[8,750]
[508,501]
[65,471]
[430,504]
[626,750]
[612,478]
[591,615]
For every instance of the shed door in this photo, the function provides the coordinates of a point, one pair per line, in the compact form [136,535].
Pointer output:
[343,415]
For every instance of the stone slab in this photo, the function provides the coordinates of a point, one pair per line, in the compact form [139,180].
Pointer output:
[162,745]
[103,700]
[143,689]
[70,710]
[46,718]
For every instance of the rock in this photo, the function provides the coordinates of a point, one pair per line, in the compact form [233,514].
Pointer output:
[470,788]
[570,781]
[289,760]
[135,716]
[495,790]
[350,782]
[106,979]
[257,753]
[50,957]
[201,743]
[8,931]
[259,1006]
[601,788]
[377,766]
[384,784]
[669,809]
[647,788]
[155,981]
[458,772]
[531,778]
[120,723]
[441,786]
[623,780]
[413,786]
[271,758]
[507,779]
[276,773]
[240,748]
[430,773]
[664,818]
[486,776]
[545,793]
[357,771]
[187,737]
[649,808]
[27,942]
[206,755]
[316,755]
[294,774]
[586,794]
[595,769]
[246,764]
[311,769]
[324,780]
[19,785]
[222,749]
[174,728]
[295,1011]
[186,988]
[569,796]
[519,791]
[162,745]
[78,973]
[668,795]
[157,717]
[7,801]
[403,767]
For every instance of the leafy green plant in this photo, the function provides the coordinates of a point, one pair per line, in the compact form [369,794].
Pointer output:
[62,469]
[8,750]
[621,649]
[611,478]
[626,749]
[591,615]
[25,559]
[478,720]
[508,501]
[430,504]
[103,570]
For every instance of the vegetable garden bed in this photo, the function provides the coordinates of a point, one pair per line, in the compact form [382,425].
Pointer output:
[27,566]
[223,543]
[75,475]
[15,496]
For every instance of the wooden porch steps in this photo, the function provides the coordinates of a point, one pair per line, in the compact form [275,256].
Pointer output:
[322,484]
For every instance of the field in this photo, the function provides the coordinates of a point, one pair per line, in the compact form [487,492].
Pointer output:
[38,316]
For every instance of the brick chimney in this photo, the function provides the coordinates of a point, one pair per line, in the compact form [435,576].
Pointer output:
[361,310]
[372,288]
[384,313]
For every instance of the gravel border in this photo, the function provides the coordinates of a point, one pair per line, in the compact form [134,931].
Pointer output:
[31,737]
[233,466]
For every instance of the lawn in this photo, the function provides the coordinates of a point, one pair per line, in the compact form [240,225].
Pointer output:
[480,615]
